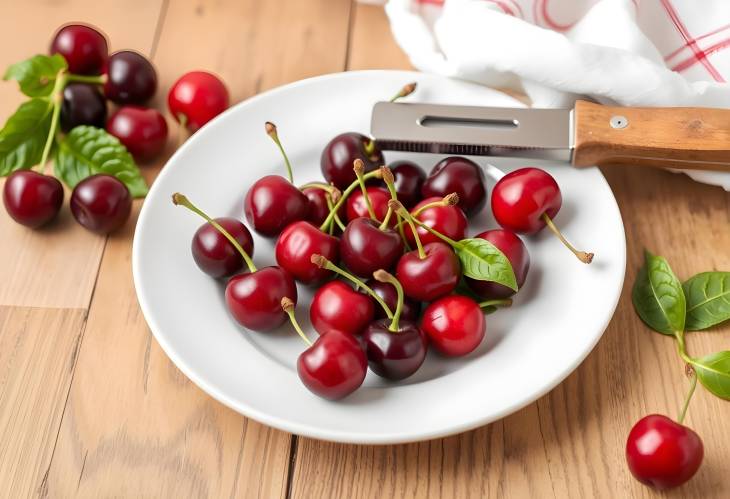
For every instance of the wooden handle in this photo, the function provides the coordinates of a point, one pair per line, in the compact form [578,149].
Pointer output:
[681,137]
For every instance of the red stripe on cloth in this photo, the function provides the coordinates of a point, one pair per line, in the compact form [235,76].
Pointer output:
[702,37]
[699,55]
[503,5]
[709,50]
[541,5]
[434,2]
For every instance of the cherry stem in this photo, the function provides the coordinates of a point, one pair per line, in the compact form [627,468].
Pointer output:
[94,80]
[369,148]
[582,255]
[180,200]
[274,134]
[57,100]
[448,200]
[323,263]
[288,305]
[331,205]
[343,198]
[389,180]
[689,370]
[318,185]
[383,276]
[182,121]
[404,92]
[400,210]
[359,168]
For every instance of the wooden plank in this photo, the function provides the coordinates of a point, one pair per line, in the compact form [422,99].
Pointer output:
[134,425]
[37,351]
[372,45]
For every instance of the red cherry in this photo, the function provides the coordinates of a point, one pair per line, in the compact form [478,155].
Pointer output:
[337,306]
[341,152]
[395,354]
[198,96]
[515,251]
[379,197]
[31,198]
[254,299]
[409,178]
[272,203]
[84,48]
[387,292]
[448,220]
[366,248]
[131,78]
[214,254]
[334,366]
[318,209]
[661,453]
[296,246]
[455,325]
[143,131]
[461,176]
[428,278]
[101,203]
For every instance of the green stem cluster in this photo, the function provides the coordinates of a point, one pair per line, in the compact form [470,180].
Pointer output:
[383,276]
[350,188]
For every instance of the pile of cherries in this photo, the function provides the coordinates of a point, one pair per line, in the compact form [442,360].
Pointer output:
[388,234]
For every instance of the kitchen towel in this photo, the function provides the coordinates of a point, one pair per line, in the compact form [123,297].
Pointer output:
[625,52]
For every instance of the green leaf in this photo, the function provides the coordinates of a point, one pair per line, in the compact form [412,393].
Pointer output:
[481,260]
[24,135]
[713,371]
[658,297]
[37,75]
[87,151]
[708,300]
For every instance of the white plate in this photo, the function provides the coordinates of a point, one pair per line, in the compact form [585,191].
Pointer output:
[556,320]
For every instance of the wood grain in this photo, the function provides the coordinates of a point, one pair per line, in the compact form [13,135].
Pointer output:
[371,44]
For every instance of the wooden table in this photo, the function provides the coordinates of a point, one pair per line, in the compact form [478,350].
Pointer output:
[90,406]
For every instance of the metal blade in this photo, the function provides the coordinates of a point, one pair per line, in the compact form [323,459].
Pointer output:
[471,130]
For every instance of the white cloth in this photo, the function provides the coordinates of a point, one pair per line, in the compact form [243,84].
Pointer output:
[625,52]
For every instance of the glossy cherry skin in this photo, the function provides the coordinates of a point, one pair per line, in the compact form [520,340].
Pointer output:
[398,354]
[409,178]
[429,278]
[31,198]
[131,78]
[337,306]
[214,254]
[82,104]
[199,96]
[455,325]
[661,453]
[379,198]
[254,299]
[334,366]
[318,209]
[101,203]
[272,203]
[459,175]
[365,248]
[143,131]
[387,292]
[84,48]
[295,247]
[516,252]
[448,220]
[341,152]
[521,197]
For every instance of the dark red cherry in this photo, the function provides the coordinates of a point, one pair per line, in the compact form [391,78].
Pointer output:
[515,251]
[318,209]
[197,97]
[448,220]
[83,47]
[131,78]
[337,306]
[101,203]
[522,197]
[397,354]
[459,175]
[340,153]
[296,246]
[254,299]
[436,275]
[387,292]
[455,325]
[663,454]
[334,366]
[365,248]
[409,178]
[31,198]
[143,131]
[82,104]
[379,197]
[272,203]
[214,254]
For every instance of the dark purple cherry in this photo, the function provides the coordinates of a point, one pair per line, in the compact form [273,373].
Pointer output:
[386,291]
[341,152]
[31,198]
[101,203]
[213,252]
[409,178]
[459,175]
[82,104]
[131,78]
[365,247]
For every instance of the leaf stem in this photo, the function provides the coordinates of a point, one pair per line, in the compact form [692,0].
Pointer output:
[57,100]
[274,134]
[583,256]
[692,385]
[288,305]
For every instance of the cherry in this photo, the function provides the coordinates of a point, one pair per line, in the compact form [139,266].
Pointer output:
[214,254]
[459,175]
[84,48]
[101,203]
[409,178]
[318,203]
[515,251]
[441,215]
[295,247]
[337,306]
[196,98]
[340,153]
[143,131]
[526,200]
[82,104]
[131,78]
[389,295]
[357,204]
[429,275]
[367,247]
[455,325]
[31,198]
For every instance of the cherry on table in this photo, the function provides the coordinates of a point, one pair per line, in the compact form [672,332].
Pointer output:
[215,254]
[31,198]
[409,178]
[131,78]
[82,104]
[366,246]
[455,325]
[101,203]
[143,131]
[196,98]
[84,48]
[515,251]
[338,306]
[441,215]
[459,175]
[341,152]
